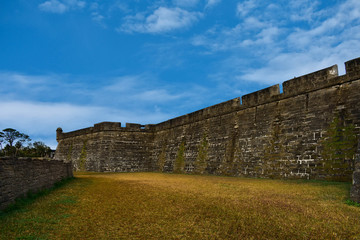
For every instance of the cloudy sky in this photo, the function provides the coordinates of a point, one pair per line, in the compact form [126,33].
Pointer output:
[73,63]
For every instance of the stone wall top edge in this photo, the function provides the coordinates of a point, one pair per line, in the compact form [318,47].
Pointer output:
[217,109]
[103,127]
[33,159]
[270,94]
[323,78]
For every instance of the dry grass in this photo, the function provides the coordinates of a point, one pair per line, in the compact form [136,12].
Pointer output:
[170,206]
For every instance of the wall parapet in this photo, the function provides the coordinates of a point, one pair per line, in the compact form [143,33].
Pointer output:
[312,81]
[352,68]
[299,85]
[103,127]
[260,97]
[212,111]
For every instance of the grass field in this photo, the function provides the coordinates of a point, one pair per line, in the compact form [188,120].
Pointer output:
[170,206]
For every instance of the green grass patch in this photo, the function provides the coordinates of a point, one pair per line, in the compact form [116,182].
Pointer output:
[178,206]
[22,202]
[352,203]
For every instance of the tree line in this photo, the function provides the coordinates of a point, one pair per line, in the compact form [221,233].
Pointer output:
[15,143]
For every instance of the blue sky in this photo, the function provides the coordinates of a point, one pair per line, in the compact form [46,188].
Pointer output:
[73,63]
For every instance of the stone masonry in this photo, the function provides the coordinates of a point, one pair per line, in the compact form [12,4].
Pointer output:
[308,131]
[18,176]
[355,189]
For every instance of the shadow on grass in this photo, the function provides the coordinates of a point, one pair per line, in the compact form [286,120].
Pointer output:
[22,202]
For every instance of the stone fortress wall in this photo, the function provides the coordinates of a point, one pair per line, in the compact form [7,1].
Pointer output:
[308,131]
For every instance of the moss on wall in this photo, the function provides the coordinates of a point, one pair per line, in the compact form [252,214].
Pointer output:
[339,149]
[180,159]
[202,156]
[69,153]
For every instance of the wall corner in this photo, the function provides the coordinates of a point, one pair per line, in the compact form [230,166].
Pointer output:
[59,134]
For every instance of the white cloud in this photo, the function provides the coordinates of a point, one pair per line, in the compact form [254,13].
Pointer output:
[75,3]
[251,23]
[243,8]
[306,10]
[124,83]
[161,20]
[211,3]
[250,33]
[53,6]
[39,119]
[185,3]
[276,50]
[125,91]
[57,6]
[99,19]
[158,95]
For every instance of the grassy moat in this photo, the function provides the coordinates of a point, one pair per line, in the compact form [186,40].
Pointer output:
[171,206]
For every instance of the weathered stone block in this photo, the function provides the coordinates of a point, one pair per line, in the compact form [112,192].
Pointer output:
[352,68]
[310,81]
[260,97]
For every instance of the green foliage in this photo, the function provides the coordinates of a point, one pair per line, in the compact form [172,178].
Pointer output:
[2,140]
[179,164]
[202,157]
[15,145]
[339,148]
[67,200]
[36,149]
[22,202]
[14,140]
[352,203]
[12,136]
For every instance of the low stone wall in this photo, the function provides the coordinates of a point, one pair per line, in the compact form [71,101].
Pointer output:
[355,189]
[18,176]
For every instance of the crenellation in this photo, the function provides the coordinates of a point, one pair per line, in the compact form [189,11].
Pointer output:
[134,126]
[107,126]
[310,82]
[352,68]
[293,134]
[260,97]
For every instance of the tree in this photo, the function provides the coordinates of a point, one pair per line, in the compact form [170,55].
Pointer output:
[41,150]
[12,143]
[1,140]
[12,136]
[14,140]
